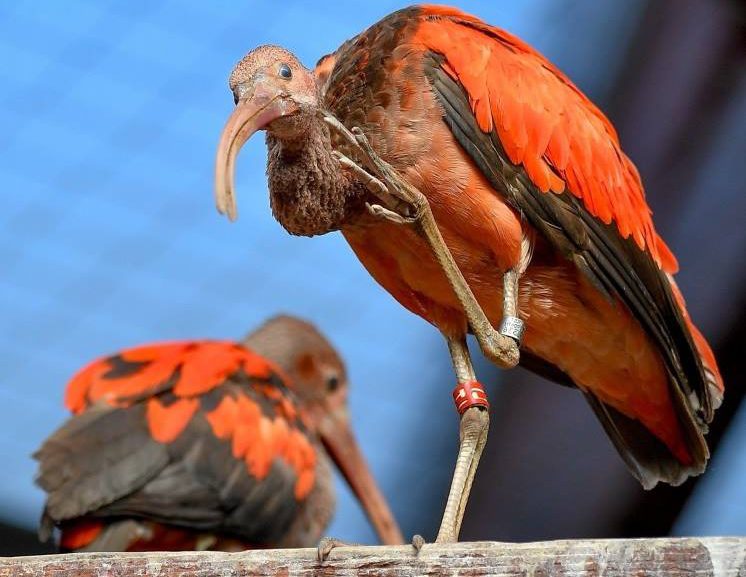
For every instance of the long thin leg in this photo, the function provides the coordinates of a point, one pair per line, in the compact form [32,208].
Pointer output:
[473,430]
[409,206]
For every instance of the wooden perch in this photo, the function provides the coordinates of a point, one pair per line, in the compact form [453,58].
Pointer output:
[719,557]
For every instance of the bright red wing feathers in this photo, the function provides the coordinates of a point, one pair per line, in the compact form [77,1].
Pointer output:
[555,161]
[259,439]
[188,435]
[80,534]
[210,363]
[190,369]
[167,422]
[566,146]
[197,367]
[216,412]
[545,124]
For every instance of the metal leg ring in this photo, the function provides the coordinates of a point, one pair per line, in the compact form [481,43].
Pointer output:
[512,327]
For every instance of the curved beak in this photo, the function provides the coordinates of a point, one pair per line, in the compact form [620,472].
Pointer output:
[252,113]
[341,445]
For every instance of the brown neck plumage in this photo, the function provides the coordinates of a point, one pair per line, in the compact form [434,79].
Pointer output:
[309,192]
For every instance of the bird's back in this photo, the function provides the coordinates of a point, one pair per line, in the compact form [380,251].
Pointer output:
[179,446]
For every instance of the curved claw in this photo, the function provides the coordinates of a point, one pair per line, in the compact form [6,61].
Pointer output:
[371,182]
[379,177]
[360,135]
[384,213]
[326,545]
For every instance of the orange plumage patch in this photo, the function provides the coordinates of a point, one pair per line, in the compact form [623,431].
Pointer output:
[196,367]
[166,422]
[158,364]
[80,533]
[259,440]
[212,362]
[545,124]
[76,393]
[299,454]
[223,418]
[304,484]
[189,370]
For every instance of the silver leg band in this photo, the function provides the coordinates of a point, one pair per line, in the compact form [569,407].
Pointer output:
[512,327]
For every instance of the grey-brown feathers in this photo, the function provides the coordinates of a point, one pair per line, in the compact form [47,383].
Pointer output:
[309,193]
[261,59]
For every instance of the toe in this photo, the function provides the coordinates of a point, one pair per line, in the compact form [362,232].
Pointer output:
[417,542]
[326,545]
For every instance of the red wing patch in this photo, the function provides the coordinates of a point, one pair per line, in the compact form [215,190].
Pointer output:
[259,439]
[195,368]
[166,422]
[544,123]
[171,377]
[79,533]
[212,362]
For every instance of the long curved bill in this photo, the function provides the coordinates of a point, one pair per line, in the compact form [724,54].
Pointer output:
[250,115]
[341,445]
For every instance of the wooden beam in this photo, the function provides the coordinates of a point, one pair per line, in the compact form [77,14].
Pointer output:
[701,557]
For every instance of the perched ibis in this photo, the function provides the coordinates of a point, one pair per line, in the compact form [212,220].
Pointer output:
[482,189]
[206,445]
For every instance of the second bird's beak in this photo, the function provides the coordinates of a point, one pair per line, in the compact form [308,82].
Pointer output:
[342,447]
[258,105]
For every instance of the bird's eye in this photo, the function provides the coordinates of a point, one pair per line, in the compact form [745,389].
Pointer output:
[285,72]
[332,384]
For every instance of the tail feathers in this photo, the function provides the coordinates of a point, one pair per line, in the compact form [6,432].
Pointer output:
[715,383]
[647,458]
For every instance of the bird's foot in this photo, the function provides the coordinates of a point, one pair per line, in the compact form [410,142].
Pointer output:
[401,202]
[385,214]
[418,541]
[327,544]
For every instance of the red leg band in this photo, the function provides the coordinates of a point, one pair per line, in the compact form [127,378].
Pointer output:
[469,394]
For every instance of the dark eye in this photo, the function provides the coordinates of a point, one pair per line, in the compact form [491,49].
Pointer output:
[332,384]
[285,72]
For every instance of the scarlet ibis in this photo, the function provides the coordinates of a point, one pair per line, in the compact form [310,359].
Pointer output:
[487,193]
[206,445]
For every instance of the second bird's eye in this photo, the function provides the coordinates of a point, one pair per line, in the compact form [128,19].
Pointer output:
[332,384]
[285,72]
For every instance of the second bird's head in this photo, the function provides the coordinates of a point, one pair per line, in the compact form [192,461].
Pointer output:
[318,377]
[316,373]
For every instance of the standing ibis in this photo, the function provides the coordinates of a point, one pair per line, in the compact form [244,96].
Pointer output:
[481,188]
[206,445]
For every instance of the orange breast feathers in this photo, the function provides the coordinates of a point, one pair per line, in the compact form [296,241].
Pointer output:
[546,125]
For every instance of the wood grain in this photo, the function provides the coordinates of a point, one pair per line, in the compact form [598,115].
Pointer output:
[696,557]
